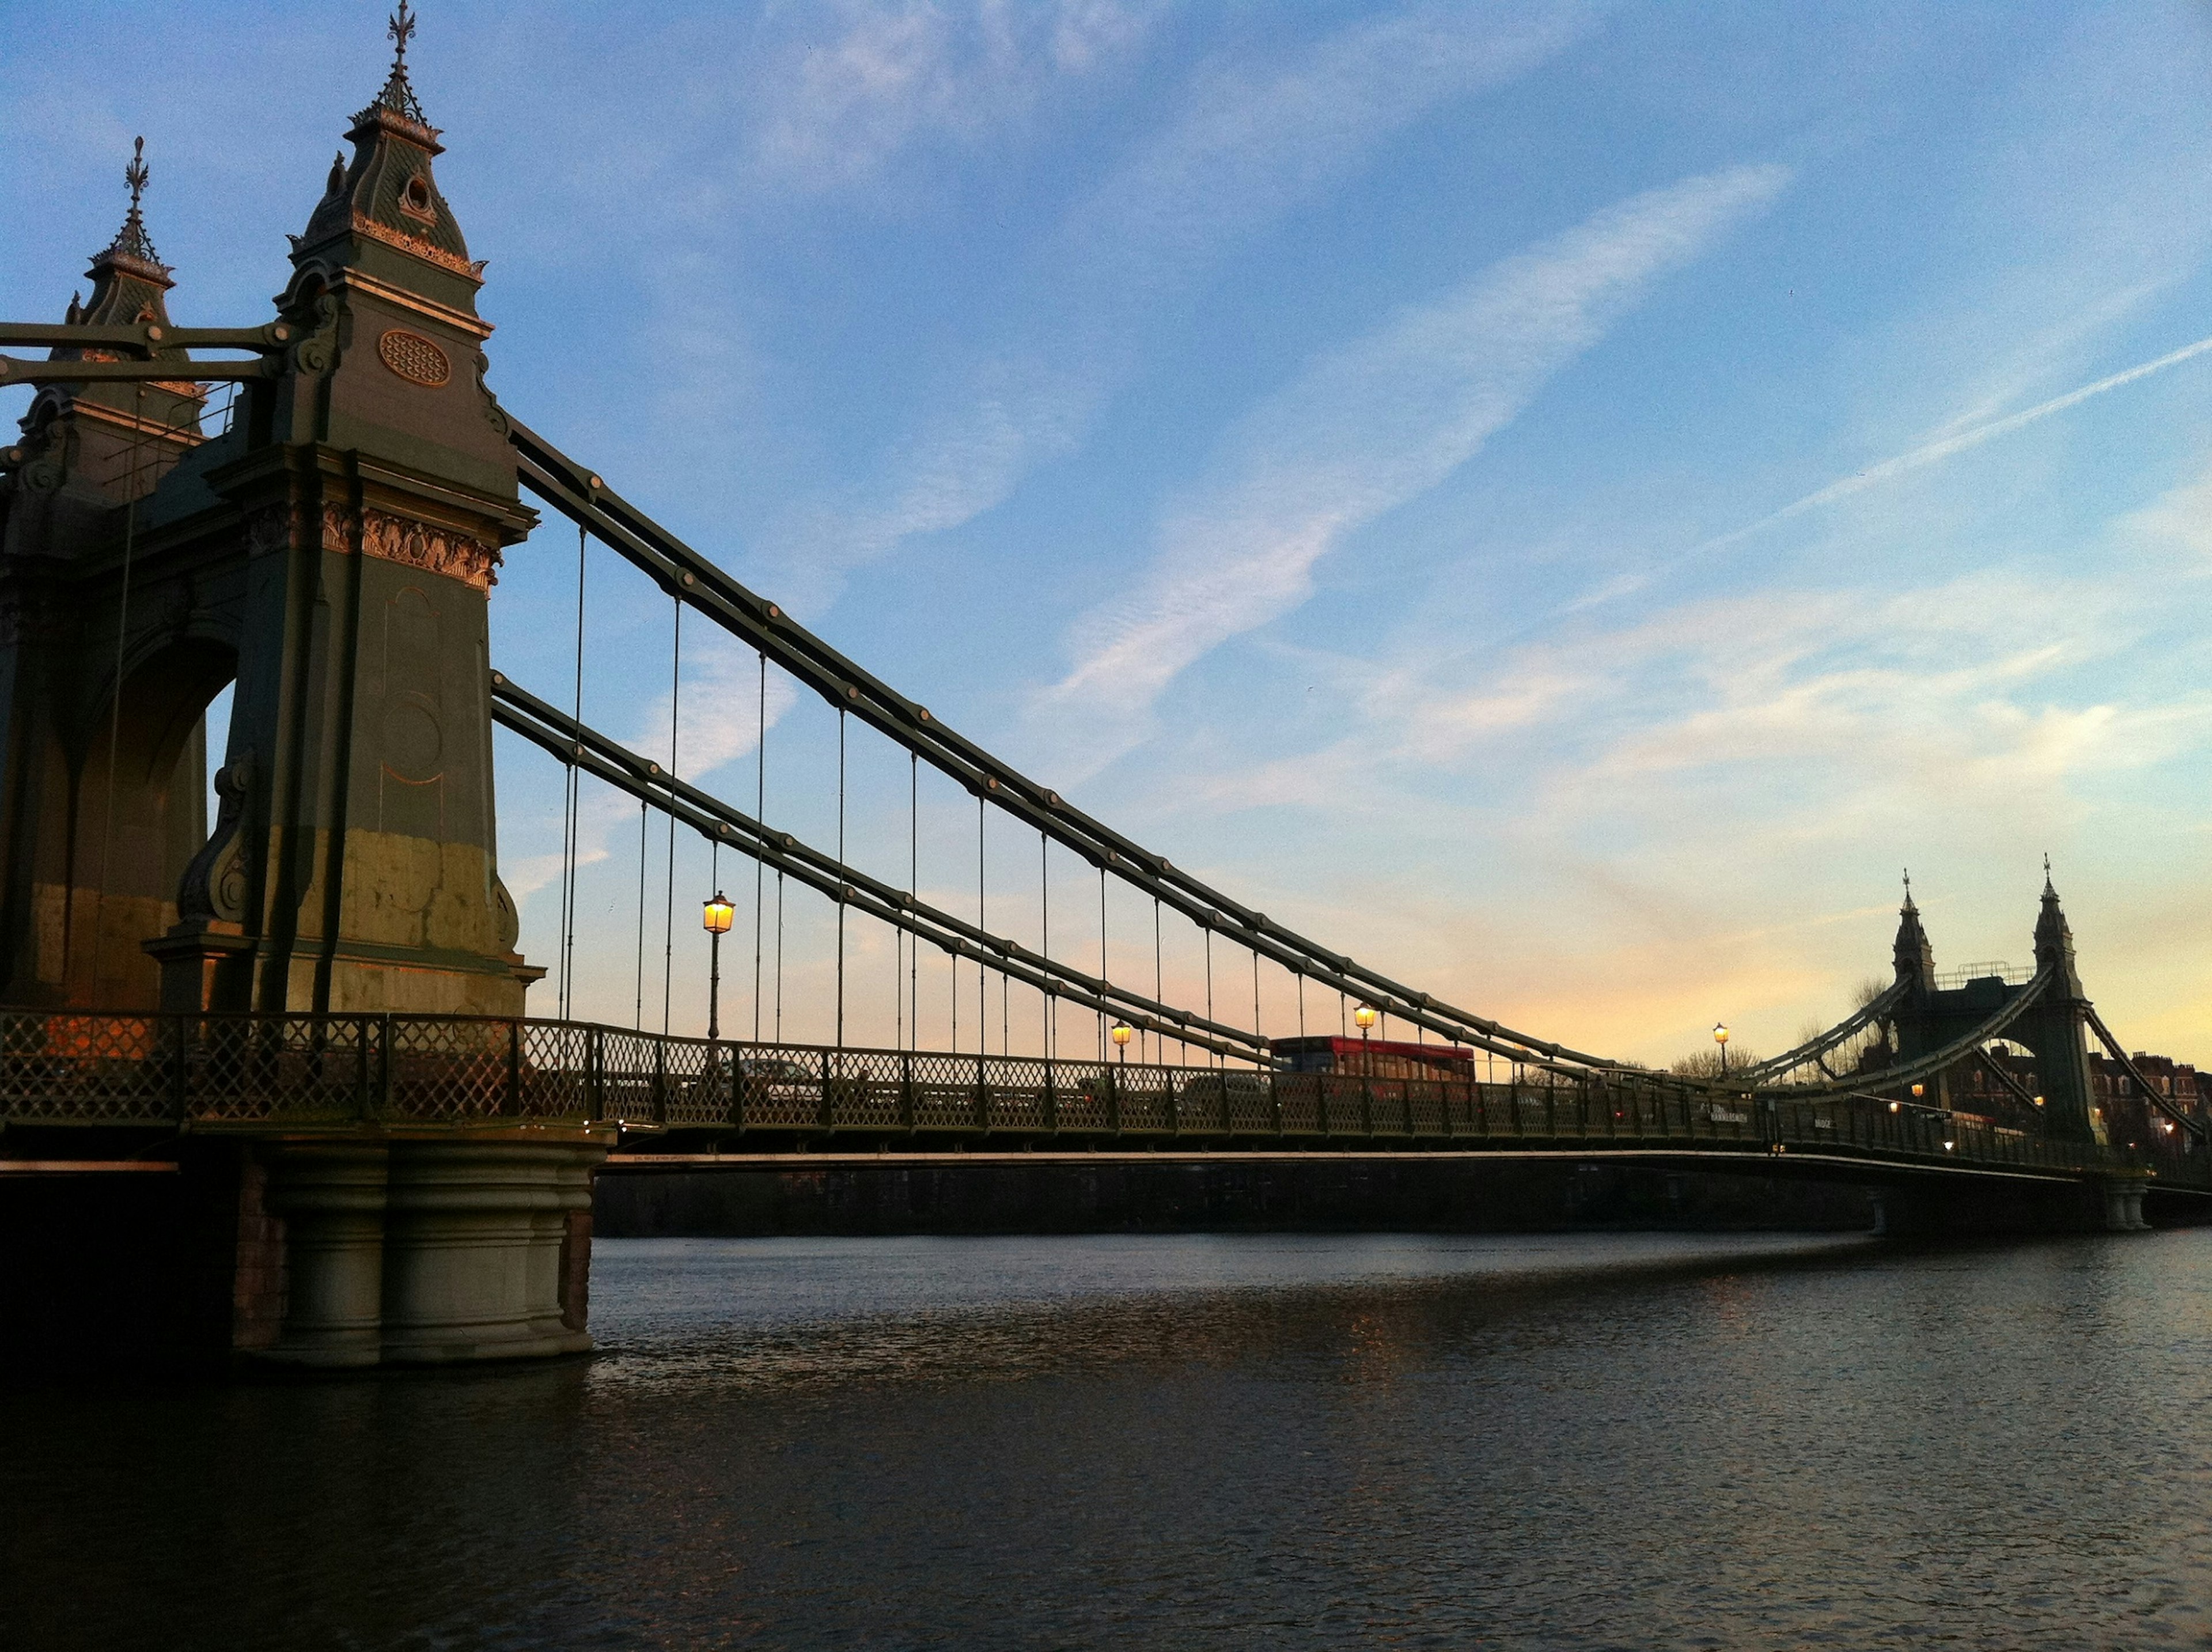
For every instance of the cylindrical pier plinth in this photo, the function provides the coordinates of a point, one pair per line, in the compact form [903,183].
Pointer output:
[472,1249]
[2124,1206]
[332,1201]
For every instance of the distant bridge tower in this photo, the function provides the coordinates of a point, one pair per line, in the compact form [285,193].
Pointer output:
[2054,1026]
[2056,1030]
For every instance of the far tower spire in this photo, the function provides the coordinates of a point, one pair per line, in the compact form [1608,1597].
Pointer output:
[1914,958]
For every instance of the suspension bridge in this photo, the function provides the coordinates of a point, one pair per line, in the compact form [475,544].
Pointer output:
[310,1011]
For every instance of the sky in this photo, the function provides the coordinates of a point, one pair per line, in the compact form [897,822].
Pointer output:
[1564,502]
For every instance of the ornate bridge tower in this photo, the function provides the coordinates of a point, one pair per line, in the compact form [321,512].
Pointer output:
[330,548]
[2057,1030]
[2054,1028]
[100,792]
[333,549]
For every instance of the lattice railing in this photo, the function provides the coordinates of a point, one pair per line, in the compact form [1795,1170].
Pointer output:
[285,1071]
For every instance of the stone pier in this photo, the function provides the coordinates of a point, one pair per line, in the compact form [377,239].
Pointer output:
[433,1252]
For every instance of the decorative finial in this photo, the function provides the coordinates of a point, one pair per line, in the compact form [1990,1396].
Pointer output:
[398,96]
[136,174]
[131,243]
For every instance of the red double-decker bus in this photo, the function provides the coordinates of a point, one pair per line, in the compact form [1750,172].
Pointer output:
[1375,1058]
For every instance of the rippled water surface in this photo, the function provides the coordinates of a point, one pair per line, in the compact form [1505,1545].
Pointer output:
[1253,1441]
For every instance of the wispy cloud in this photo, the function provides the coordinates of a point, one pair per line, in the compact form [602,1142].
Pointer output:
[947,472]
[1371,425]
[1254,138]
[724,708]
[838,101]
[1251,139]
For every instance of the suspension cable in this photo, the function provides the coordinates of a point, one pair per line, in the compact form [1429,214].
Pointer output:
[760,813]
[913,890]
[573,831]
[898,976]
[1209,984]
[982,980]
[115,709]
[841,889]
[668,927]
[1104,974]
[638,1018]
[779,954]
[1158,989]
[1051,1004]
[567,887]
[1258,1036]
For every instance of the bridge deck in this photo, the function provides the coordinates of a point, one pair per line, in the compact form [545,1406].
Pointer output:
[296,1075]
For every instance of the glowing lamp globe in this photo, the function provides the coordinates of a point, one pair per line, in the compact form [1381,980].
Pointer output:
[717,917]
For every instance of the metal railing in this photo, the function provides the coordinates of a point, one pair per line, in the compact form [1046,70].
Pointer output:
[286,1073]
[1946,981]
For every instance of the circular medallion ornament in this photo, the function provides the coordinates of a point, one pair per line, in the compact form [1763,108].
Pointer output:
[414,358]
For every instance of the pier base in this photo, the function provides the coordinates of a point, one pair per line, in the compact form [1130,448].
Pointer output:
[1926,1208]
[432,1252]
[331,1201]
[473,1251]
[2124,1206]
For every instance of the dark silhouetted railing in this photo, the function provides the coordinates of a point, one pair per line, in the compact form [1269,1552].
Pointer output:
[305,1072]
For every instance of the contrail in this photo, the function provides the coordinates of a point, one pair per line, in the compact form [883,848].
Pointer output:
[1883,471]
[1958,444]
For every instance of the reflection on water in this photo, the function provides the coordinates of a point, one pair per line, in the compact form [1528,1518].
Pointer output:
[1256,1442]
[784,1311]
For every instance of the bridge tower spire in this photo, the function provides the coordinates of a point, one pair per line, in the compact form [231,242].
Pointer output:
[355,863]
[104,443]
[2057,1029]
[1913,958]
[94,833]
[1914,961]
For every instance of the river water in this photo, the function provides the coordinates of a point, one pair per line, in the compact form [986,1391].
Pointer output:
[1262,1441]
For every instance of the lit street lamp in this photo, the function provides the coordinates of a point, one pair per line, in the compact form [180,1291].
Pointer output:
[1364,1018]
[1720,1037]
[716,920]
[1123,1034]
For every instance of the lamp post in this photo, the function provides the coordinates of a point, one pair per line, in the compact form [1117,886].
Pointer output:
[715,920]
[1123,1034]
[1720,1037]
[1364,1018]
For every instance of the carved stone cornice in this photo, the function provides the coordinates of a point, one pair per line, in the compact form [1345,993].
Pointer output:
[433,550]
[467,268]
